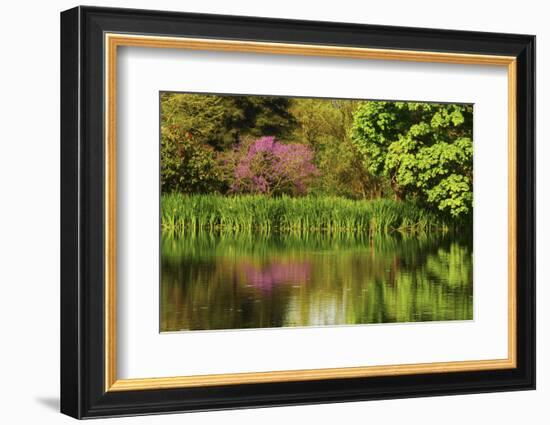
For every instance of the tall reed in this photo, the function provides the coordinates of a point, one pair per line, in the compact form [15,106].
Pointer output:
[189,214]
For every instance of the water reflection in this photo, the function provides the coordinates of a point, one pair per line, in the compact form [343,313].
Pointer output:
[266,277]
[216,282]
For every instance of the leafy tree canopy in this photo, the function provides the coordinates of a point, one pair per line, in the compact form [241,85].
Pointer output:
[324,125]
[195,128]
[220,121]
[423,149]
[187,166]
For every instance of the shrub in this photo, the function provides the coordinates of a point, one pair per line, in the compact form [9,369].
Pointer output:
[273,168]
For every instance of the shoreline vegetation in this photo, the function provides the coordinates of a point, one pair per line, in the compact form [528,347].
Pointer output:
[257,214]
[268,165]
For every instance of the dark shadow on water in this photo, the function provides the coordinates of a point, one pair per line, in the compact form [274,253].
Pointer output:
[49,402]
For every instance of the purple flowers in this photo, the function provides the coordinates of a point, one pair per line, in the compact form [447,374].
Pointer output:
[274,168]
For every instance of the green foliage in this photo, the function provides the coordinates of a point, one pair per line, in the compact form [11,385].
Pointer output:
[259,214]
[324,124]
[187,166]
[423,149]
[343,174]
[264,116]
[220,121]
[318,119]
[202,117]
[361,150]
[199,133]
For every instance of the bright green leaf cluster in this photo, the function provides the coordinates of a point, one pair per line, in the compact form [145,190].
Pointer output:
[425,150]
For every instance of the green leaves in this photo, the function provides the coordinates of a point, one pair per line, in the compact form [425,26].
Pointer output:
[187,165]
[195,128]
[362,150]
[220,121]
[424,149]
[453,194]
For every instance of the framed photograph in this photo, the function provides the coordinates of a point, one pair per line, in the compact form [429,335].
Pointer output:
[261,212]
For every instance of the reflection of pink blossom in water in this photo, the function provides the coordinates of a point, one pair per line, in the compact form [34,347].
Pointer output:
[265,278]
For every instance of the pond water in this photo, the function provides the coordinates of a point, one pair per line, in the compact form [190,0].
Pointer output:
[233,282]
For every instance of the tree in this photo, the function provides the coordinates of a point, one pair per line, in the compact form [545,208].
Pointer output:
[274,168]
[425,150]
[221,121]
[186,165]
[342,172]
[196,129]
[321,118]
[261,115]
[200,116]
[324,125]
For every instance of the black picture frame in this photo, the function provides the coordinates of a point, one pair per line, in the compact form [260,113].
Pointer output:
[83,392]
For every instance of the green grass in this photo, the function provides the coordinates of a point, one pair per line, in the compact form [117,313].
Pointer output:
[190,214]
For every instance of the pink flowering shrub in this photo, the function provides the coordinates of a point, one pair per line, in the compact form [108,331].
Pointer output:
[273,168]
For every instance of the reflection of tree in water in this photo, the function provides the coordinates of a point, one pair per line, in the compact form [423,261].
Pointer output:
[266,278]
[211,282]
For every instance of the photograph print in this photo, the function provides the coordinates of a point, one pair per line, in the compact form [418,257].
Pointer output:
[296,212]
